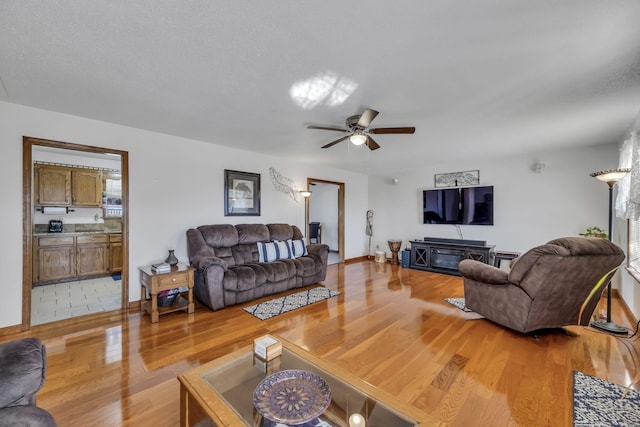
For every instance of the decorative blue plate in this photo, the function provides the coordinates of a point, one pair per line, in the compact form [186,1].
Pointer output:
[292,397]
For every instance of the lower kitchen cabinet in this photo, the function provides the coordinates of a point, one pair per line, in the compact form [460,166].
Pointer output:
[61,258]
[54,259]
[92,255]
[115,253]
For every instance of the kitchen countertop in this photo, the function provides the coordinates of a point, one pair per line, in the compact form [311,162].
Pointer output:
[40,230]
[72,233]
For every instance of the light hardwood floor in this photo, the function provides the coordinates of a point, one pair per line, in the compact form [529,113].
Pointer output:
[390,326]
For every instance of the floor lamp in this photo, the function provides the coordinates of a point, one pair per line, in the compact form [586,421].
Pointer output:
[610,177]
[306,194]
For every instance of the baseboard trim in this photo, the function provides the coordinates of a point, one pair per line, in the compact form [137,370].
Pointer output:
[10,330]
[357,259]
[615,295]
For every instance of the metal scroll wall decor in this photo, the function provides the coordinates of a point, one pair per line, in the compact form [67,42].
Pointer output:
[457,179]
[284,184]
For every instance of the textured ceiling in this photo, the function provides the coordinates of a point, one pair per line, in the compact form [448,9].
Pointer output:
[476,78]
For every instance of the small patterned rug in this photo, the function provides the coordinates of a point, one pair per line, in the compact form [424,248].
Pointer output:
[458,302]
[596,402]
[268,309]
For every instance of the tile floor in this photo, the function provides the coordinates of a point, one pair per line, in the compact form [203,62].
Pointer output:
[60,301]
[334,258]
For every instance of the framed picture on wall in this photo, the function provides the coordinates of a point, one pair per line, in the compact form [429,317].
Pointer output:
[241,193]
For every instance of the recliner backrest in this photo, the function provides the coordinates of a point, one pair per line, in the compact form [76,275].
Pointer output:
[235,244]
[566,262]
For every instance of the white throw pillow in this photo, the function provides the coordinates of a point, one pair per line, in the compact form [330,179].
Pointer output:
[271,251]
[266,251]
[283,250]
[298,248]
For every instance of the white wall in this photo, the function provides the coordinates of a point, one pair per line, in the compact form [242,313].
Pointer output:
[175,184]
[530,208]
[323,208]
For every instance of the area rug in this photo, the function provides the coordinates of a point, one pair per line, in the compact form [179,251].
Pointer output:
[268,309]
[458,302]
[596,402]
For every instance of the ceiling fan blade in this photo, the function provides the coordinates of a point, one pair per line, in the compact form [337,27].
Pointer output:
[367,117]
[328,128]
[393,130]
[332,143]
[371,143]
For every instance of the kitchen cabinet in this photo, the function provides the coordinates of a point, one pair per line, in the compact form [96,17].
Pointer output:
[86,187]
[66,257]
[54,259]
[65,186]
[52,185]
[115,253]
[92,254]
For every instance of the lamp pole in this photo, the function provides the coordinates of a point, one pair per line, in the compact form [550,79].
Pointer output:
[610,177]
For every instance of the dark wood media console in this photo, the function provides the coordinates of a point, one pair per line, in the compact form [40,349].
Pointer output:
[443,255]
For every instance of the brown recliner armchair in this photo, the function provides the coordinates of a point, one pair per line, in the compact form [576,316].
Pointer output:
[550,286]
[23,364]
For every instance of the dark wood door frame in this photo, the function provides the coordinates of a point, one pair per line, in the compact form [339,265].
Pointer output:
[341,188]
[27,216]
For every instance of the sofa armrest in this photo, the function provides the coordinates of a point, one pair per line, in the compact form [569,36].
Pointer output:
[26,415]
[481,272]
[23,370]
[317,249]
[203,263]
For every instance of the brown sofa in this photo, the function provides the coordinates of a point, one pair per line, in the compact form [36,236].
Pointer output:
[549,286]
[228,267]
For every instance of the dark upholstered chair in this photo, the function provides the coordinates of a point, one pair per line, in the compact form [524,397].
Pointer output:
[550,286]
[315,232]
[22,374]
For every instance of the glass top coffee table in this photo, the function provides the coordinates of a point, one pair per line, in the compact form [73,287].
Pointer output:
[220,393]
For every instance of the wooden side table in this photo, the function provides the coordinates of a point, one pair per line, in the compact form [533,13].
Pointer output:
[180,275]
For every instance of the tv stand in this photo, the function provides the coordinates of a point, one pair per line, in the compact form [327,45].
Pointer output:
[443,255]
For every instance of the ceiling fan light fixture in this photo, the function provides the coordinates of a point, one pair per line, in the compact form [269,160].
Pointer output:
[358,132]
[358,139]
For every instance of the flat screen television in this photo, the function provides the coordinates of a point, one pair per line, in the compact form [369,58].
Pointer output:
[458,206]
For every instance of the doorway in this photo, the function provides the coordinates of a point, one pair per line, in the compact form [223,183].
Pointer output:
[326,207]
[29,215]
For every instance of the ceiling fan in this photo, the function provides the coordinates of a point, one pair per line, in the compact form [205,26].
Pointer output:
[357,128]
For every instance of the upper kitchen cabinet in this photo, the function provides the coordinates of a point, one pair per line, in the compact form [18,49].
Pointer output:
[66,186]
[52,185]
[86,187]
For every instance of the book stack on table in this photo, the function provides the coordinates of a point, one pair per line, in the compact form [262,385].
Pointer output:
[162,267]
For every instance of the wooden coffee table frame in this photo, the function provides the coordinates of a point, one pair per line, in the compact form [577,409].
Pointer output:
[198,400]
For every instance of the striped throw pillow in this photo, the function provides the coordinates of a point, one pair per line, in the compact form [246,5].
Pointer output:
[283,250]
[298,248]
[266,251]
[272,251]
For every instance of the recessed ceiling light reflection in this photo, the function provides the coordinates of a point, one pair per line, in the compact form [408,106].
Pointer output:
[323,89]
